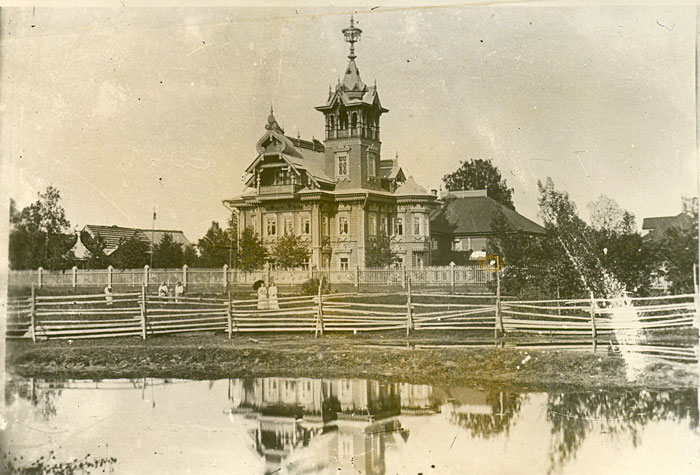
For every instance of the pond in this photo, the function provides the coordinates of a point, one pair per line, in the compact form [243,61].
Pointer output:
[304,425]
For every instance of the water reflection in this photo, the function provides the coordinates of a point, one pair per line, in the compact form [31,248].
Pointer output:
[340,425]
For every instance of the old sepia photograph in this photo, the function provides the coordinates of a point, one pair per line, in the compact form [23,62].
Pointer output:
[373,238]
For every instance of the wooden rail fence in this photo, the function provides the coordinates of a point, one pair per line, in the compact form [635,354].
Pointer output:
[145,315]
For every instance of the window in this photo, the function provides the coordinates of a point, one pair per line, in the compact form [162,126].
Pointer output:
[371,165]
[384,225]
[372,224]
[457,245]
[326,226]
[305,264]
[417,225]
[306,225]
[344,265]
[254,223]
[398,226]
[343,225]
[288,225]
[433,244]
[342,165]
[272,226]
[280,177]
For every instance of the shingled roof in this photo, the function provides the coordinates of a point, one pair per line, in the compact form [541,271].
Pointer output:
[113,234]
[472,216]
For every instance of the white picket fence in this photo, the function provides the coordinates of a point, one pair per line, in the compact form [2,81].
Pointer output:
[215,280]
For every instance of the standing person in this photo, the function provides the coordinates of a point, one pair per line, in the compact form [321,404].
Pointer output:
[108,295]
[179,291]
[272,302]
[163,290]
[262,298]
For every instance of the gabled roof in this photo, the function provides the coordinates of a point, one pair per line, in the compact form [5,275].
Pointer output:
[111,235]
[300,154]
[681,219]
[473,215]
[660,225]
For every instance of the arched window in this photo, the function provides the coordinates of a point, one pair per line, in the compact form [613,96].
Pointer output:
[331,122]
[343,119]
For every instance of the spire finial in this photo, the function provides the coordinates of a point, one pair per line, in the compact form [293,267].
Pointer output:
[271,111]
[352,36]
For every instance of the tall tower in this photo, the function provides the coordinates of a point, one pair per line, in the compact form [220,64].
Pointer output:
[352,114]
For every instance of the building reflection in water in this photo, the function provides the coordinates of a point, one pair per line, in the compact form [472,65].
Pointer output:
[303,425]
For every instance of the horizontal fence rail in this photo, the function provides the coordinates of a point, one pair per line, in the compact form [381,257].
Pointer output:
[144,314]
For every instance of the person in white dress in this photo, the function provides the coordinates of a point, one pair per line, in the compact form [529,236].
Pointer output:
[179,291]
[262,298]
[163,290]
[273,303]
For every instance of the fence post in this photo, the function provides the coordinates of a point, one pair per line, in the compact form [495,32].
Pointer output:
[319,321]
[143,311]
[357,277]
[225,269]
[33,314]
[499,318]
[403,275]
[594,332]
[452,277]
[229,315]
[110,269]
[146,275]
[184,276]
[40,276]
[75,276]
[409,308]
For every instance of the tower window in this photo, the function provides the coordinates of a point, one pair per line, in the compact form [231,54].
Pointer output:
[371,165]
[353,122]
[343,225]
[372,224]
[417,221]
[342,165]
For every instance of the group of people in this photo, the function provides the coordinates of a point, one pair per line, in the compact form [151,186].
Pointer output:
[267,297]
[163,291]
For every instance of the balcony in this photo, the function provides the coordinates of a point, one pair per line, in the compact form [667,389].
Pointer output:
[278,189]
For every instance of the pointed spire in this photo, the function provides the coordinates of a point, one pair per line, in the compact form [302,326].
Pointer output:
[272,122]
[352,36]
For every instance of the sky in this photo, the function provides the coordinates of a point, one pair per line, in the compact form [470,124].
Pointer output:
[127,109]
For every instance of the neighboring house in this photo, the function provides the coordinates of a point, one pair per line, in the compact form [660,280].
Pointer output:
[460,229]
[339,194]
[657,227]
[112,235]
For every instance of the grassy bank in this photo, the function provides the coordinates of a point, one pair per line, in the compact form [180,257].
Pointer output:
[212,356]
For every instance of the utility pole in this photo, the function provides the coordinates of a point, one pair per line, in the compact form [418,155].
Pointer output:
[153,230]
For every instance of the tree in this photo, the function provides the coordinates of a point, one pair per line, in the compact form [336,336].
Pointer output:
[478,175]
[252,252]
[40,234]
[606,214]
[217,247]
[190,255]
[378,252]
[290,252]
[131,253]
[97,259]
[573,258]
[679,251]
[167,253]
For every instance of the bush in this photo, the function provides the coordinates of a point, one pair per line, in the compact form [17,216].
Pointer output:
[310,287]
